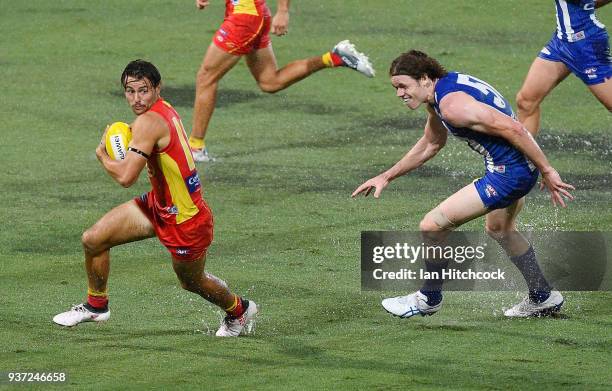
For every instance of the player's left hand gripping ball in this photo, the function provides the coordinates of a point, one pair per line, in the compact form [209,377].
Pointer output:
[118,137]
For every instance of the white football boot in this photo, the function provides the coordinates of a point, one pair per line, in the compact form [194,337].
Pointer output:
[245,324]
[353,59]
[409,306]
[527,308]
[201,155]
[78,314]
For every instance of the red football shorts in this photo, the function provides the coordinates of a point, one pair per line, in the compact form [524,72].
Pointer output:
[240,34]
[187,241]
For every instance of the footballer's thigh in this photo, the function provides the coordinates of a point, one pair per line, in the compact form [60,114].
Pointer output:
[459,208]
[122,224]
[603,92]
[215,65]
[262,64]
[543,76]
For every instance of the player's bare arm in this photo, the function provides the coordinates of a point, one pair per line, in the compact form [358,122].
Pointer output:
[148,130]
[280,22]
[461,110]
[433,140]
[201,4]
[601,3]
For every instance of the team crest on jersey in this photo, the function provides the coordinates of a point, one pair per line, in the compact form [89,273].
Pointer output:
[173,210]
[490,190]
[235,2]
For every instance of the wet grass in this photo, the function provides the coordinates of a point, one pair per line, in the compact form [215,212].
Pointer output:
[286,231]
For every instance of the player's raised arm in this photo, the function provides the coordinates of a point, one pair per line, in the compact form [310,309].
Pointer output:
[280,22]
[147,129]
[461,110]
[433,140]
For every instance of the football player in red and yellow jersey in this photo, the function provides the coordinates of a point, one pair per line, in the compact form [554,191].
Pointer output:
[245,31]
[173,210]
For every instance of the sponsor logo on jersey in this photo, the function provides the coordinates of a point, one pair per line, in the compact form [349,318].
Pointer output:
[500,169]
[576,36]
[591,73]
[235,2]
[193,182]
[223,32]
[490,190]
[182,251]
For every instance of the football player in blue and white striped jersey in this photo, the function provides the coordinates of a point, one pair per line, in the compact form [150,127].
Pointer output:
[580,46]
[474,111]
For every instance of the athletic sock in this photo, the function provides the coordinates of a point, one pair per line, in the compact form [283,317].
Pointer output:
[196,143]
[539,289]
[97,301]
[433,297]
[332,60]
[238,307]
[539,296]
[435,269]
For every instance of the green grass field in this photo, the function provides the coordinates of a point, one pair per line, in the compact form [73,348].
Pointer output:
[287,233]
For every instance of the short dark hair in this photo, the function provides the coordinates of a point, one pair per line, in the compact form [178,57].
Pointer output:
[417,64]
[140,69]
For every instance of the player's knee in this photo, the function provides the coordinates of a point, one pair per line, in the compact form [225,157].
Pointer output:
[189,284]
[435,221]
[269,87]
[427,225]
[497,231]
[525,102]
[91,241]
[206,77]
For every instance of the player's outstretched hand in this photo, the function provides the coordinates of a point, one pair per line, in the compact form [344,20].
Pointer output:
[557,188]
[201,4]
[280,23]
[377,184]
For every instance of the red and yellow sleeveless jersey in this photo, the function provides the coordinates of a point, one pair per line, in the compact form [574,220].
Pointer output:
[248,7]
[172,172]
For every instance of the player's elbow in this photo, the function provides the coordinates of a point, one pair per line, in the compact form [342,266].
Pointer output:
[125,184]
[431,151]
[437,145]
[126,181]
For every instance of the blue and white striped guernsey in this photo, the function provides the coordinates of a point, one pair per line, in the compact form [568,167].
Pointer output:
[576,20]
